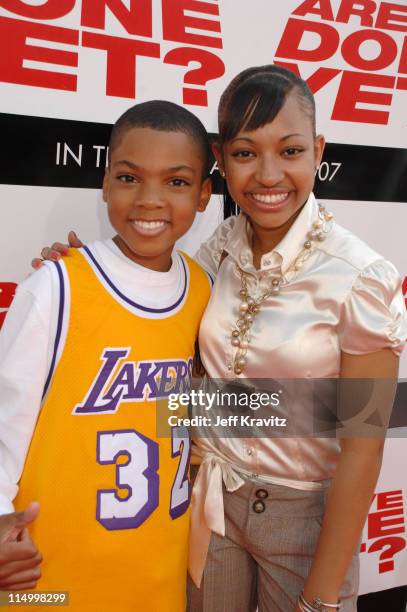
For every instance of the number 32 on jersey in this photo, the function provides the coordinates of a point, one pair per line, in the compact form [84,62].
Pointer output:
[137,475]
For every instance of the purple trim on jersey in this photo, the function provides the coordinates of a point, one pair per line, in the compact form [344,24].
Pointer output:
[59,326]
[150,473]
[211,278]
[128,300]
[179,510]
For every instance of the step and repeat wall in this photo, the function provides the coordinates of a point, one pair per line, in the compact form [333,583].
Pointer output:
[69,68]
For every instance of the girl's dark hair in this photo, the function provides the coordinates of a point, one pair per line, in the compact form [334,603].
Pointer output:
[253,99]
[165,117]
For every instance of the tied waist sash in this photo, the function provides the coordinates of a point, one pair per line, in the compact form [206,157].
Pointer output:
[207,510]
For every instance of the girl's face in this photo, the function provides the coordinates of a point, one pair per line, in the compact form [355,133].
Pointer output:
[270,171]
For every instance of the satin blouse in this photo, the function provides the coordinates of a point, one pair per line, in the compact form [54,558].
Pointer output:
[346,297]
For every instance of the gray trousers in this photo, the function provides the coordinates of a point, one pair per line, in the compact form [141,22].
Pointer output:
[266,554]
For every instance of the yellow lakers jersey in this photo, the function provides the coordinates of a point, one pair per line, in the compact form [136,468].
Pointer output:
[113,524]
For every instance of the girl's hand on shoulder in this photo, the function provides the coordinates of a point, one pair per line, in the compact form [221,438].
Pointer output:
[57,250]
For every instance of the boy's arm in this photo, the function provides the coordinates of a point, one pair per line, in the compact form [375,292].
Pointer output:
[24,362]
[208,255]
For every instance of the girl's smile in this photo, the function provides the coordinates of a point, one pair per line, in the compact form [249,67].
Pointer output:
[270,201]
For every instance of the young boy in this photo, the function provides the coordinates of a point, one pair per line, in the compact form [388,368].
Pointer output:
[87,348]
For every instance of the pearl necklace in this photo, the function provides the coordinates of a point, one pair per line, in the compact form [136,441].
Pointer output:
[249,307]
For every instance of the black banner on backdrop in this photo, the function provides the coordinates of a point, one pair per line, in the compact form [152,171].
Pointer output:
[63,153]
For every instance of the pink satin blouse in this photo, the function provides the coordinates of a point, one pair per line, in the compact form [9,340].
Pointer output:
[345,297]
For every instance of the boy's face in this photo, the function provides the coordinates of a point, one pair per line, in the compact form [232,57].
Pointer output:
[153,188]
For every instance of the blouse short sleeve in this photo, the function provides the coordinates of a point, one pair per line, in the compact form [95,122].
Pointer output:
[374,313]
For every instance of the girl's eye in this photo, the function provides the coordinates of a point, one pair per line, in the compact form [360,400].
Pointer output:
[243,153]
[178,182]
[126,178]
[292,151]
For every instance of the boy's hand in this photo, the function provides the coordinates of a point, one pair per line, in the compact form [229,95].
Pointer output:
[19,557]
[56,250]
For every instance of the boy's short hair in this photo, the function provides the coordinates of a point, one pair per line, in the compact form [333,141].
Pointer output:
[165,117]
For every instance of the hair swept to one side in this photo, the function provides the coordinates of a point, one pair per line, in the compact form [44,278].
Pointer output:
[163,116]
[256,95]
[254,98]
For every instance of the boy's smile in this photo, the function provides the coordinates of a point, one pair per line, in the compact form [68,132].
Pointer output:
[153,188]
[149,228]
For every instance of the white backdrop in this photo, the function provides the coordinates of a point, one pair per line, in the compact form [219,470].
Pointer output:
[89,60]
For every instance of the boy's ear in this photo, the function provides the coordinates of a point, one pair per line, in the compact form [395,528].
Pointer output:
[217,151]
[319,149]
[206,192]
[105,186]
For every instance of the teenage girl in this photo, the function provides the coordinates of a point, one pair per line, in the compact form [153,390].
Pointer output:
[296,297]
